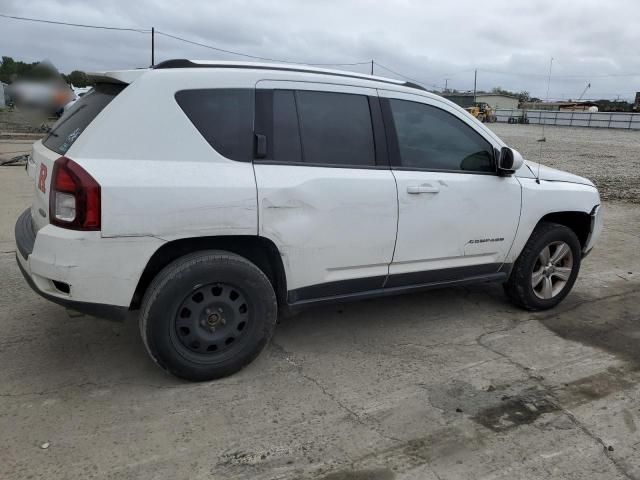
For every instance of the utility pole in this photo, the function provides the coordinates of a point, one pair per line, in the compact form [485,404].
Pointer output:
[153,46]
[371,67]
[475,83]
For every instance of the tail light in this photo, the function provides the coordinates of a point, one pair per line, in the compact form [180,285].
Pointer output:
[74,200]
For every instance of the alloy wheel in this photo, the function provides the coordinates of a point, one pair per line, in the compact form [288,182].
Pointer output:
[552,270]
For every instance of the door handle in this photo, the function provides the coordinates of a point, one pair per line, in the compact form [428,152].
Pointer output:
[424,188]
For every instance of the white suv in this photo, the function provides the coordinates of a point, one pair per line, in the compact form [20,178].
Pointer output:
[211,196]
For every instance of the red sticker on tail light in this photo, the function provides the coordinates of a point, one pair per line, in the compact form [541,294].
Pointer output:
[42,178]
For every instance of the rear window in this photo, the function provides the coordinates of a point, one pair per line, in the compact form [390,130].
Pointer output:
[224,117]
[67,130]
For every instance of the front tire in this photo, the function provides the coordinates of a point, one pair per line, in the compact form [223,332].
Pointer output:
[546,269]
[207,315]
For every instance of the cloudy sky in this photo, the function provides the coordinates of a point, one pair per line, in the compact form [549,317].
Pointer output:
[510,42]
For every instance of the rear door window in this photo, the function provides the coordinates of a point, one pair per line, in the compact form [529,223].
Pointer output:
[224,117]
[71,125]
[335,128]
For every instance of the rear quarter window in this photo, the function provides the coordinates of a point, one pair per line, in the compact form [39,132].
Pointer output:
[71,125]
[224,117]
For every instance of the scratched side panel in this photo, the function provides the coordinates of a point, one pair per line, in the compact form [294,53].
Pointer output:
[329,224]
[179,200]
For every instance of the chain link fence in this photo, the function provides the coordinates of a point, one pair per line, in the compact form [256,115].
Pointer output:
[627,121]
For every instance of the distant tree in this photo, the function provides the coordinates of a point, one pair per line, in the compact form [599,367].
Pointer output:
[11,69]
[78,79]
[7,68]
[41,71]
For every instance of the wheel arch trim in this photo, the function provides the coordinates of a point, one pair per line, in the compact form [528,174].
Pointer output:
[259,250]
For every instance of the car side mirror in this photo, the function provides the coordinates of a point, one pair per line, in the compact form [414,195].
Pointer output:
[509,161]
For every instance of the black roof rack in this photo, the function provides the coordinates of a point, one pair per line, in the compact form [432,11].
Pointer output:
[184,63]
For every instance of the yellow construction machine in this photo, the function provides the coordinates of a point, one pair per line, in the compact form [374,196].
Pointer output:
[483,112]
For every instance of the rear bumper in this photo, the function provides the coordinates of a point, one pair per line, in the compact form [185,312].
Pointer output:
[100,310]
[82,270]
[25,235]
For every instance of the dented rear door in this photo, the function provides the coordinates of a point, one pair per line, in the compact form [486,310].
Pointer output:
[326,195]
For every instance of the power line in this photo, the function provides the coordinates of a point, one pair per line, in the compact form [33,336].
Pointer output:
[210,47]
[420,82]
[255,57]
[175,37]
[530,74]
[345,64]
[459,72]
[138,30]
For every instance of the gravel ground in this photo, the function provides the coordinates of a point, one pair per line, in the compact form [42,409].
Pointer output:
[610,158]
[16,122]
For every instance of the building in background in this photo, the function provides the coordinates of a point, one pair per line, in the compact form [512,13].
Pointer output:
[2,95]
[636,104]
[561,106]
[494,100]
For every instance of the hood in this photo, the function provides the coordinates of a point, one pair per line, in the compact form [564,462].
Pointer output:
[551,174]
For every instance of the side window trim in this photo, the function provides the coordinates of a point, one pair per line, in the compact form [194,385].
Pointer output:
[263,121]
[264,126]
[299,119]
[379,133]
[394,147]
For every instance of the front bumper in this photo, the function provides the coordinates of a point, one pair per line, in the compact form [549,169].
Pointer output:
[594,231]
[82,270]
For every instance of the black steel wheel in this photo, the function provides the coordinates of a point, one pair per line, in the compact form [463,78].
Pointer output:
[211,319]
[207,315]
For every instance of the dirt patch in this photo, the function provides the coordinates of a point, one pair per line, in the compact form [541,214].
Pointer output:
[612,324]
[594,387]
[382,474]
[498,408]
[514,412]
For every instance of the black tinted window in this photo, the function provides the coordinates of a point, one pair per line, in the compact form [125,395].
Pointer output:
[429,137]
[335,128]
[286,134]
[224,117]
[74,121]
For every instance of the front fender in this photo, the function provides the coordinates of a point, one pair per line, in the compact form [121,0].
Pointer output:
[550,197]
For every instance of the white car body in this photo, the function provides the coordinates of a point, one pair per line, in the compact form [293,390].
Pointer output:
[162,182]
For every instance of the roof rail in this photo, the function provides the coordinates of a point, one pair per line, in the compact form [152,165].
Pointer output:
[185,63]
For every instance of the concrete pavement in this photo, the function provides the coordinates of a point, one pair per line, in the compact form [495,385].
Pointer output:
[448,384]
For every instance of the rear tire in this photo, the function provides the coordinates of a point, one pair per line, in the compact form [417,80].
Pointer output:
[207,315]
[547,268]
